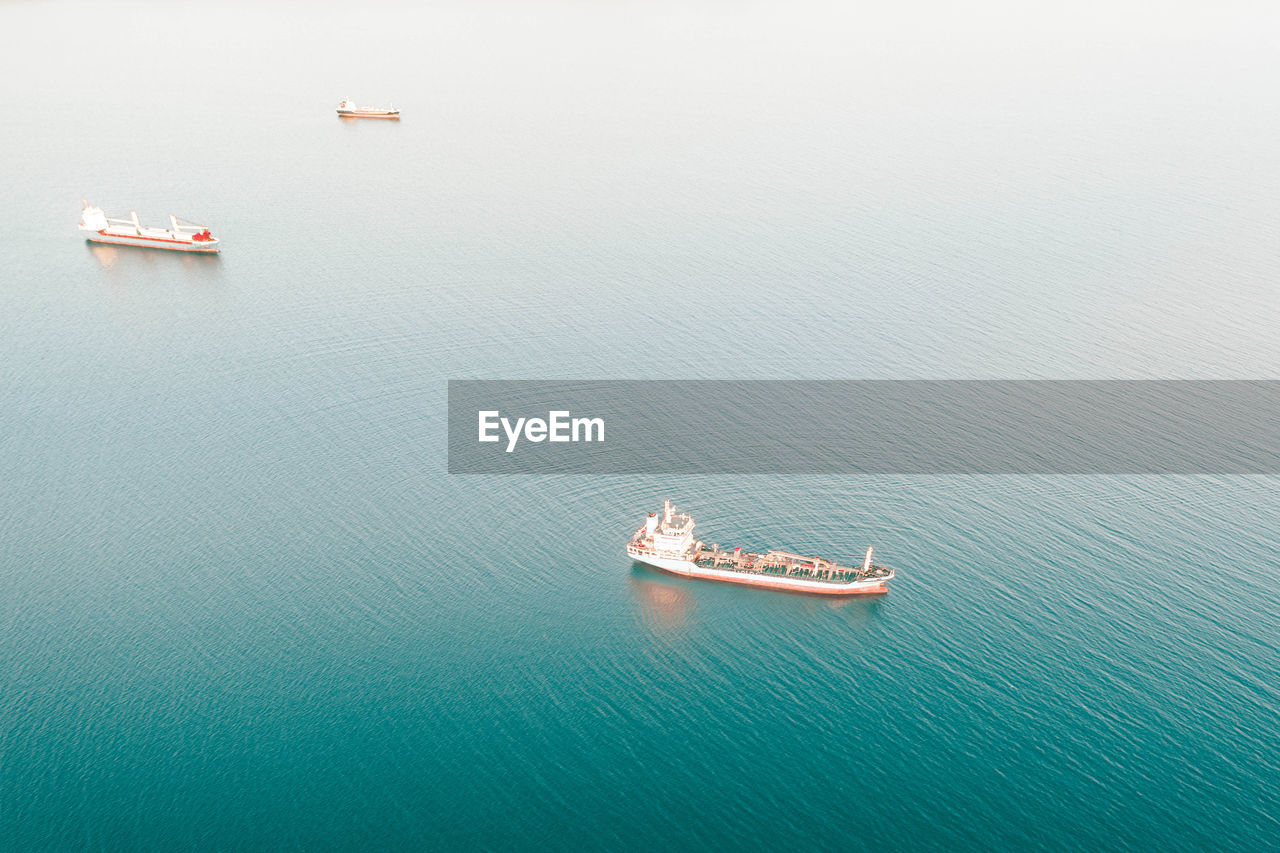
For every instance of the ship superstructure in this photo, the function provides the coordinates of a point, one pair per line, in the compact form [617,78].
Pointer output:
[666,542]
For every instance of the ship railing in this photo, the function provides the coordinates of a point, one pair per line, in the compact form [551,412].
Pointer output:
[850,575]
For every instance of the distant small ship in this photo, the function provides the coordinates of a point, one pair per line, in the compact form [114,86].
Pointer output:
[348,109]
[667,543]
[179,237]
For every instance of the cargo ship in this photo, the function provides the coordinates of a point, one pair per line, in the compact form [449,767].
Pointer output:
[348,109]
[667,543]
[178,237]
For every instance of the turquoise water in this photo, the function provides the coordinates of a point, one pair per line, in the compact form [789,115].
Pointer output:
[242,606]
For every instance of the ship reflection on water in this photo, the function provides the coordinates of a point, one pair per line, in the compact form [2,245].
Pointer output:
[665,605]
[130,265]
[105,255]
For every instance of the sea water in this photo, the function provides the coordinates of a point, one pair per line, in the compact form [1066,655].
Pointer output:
[242,605]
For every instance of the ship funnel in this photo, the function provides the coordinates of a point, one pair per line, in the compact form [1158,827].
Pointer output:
[651,524]
[866,564]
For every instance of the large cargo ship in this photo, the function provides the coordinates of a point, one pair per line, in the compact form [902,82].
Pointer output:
[179,237]
[667,543]
[348,109]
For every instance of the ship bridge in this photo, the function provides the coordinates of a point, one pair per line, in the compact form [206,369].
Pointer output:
[675,532]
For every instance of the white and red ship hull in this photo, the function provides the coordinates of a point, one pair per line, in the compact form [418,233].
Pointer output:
[688,569]
[179,237]
[668,544]
[148,242]
[394,115]
[348,109]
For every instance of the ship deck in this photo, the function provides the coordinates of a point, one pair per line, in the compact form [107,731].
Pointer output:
[146,232]
[769,564]
[781,564]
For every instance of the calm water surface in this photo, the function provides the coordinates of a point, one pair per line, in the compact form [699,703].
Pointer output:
[243,607]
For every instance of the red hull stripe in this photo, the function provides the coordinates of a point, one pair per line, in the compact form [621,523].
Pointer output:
[878,590]
[175,245]
[153,239]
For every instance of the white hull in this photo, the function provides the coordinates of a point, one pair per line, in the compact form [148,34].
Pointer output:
[179,237]
[395,115]
[687,568]
[167,243]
